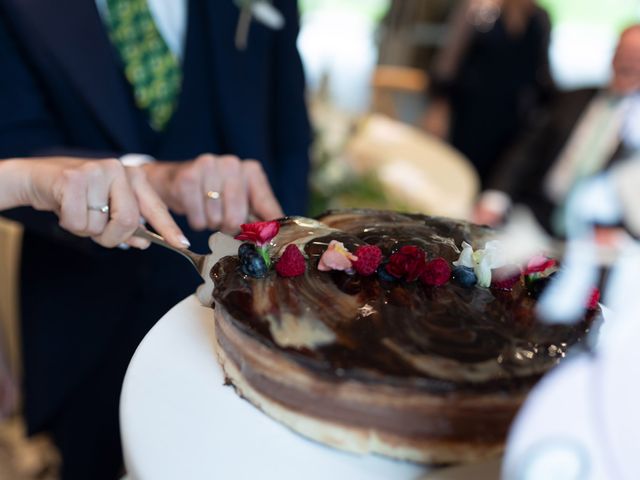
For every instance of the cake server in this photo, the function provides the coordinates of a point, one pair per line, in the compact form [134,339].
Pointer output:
[221,245]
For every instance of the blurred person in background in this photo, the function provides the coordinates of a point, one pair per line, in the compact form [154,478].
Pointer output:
[160,83]
[583,132]
[490,78]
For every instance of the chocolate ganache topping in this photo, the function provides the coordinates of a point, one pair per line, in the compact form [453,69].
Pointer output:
[344,326]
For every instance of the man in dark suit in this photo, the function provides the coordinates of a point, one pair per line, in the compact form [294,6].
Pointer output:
[73,82]
[582,133]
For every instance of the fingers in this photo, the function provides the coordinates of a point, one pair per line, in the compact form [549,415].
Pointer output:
[124,212]
[234,203]
[262,200]
[98,184]
[188,190]
[73,201]
[154,211]
[212,181]
[219,193]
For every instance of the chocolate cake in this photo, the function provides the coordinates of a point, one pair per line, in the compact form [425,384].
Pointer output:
[381,365]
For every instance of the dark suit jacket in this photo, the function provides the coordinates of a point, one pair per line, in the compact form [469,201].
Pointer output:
[62,90]
[522,170]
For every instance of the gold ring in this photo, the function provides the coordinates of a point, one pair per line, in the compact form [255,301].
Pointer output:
[99,208]
[213,195]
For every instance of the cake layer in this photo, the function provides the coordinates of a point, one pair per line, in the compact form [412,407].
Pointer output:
[360,433]
[437,339]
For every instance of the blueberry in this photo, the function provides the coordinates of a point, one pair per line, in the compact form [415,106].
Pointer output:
[253,265]
[246,249]
[384,275]
[464,276]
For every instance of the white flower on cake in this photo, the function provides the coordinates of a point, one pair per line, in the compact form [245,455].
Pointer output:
[482,261]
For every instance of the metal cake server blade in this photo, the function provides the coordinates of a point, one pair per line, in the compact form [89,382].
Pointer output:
[220,244]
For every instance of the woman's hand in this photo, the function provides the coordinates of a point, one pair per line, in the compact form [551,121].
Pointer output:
[100,199]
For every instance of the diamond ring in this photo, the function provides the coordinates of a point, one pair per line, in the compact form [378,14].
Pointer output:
[99,208]
[213,195]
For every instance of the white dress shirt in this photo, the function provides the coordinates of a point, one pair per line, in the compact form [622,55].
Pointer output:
[170,17]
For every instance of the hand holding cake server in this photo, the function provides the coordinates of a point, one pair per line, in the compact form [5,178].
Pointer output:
[105,200]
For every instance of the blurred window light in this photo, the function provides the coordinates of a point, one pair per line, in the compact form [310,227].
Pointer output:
[584,36]
[337,42]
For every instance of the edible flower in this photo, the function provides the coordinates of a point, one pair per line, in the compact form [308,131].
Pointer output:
[259,233]
[408,263]
[539,267]
[482,261]
[336,257]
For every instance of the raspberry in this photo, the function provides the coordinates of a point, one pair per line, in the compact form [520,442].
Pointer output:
[594,298]
[369,258]
[436,272]
[407,263]
[291,263]
[504,278]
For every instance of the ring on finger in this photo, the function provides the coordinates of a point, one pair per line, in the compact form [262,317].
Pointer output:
[99,208]
[213,195]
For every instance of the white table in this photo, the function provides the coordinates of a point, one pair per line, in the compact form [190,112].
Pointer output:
[179,421]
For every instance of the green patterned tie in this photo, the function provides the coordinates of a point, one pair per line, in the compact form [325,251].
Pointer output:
[151,68]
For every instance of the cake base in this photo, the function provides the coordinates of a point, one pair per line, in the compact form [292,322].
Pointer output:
[339,435]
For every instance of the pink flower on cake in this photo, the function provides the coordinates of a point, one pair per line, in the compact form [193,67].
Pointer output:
[336,257]
[539,263]
[259,233]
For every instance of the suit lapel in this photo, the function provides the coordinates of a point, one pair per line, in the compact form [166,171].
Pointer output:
[73,32]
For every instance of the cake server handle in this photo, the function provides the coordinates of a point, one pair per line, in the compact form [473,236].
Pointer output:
[195,259]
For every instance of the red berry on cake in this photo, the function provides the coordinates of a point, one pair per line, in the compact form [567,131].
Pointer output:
[436,272]
[291,263]
[407,263]
[504,278]
[594,298]
[369,258]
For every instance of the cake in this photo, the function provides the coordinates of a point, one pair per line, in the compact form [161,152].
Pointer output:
[408,367]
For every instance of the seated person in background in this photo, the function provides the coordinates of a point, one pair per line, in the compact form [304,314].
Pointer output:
[111,78]
[490,77]
[582,133]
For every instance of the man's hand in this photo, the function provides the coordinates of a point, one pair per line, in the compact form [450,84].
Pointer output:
[215,192]
[491,208]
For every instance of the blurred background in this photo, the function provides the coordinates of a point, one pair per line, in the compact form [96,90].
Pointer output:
[375,68]
[386,79]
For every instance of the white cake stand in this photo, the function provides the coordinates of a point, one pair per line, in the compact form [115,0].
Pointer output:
[178,420]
